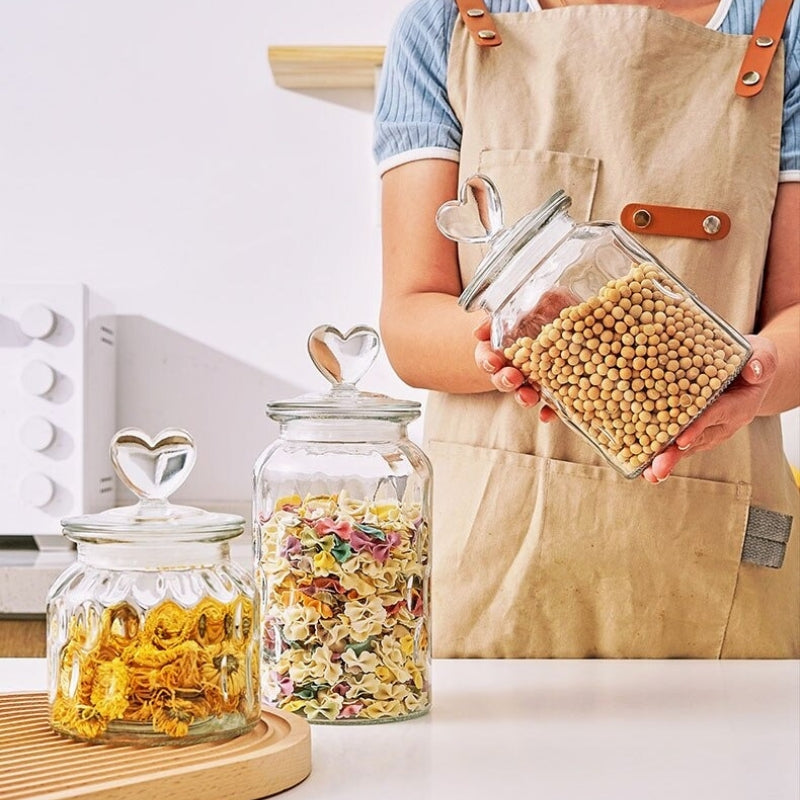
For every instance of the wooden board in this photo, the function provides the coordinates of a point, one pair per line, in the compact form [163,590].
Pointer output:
[37,763]
[325,67]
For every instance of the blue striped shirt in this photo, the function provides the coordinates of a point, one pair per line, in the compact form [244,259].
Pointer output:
[413,117]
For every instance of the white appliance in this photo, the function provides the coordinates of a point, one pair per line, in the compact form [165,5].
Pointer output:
[57,407]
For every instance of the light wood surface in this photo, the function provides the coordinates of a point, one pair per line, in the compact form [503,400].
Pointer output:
[325,67]
[23,638]
[37,763]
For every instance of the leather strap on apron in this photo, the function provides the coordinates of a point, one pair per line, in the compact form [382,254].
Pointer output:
[697,223]
[762,47]
[479,23]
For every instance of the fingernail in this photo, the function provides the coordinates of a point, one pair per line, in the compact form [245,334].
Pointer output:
[661,480]
[757,369]
[685,447]
[506,383]
[488,366]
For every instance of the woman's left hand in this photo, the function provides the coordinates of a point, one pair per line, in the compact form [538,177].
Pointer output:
[736,407]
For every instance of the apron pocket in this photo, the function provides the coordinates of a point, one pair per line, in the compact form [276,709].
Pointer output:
[526,178]
[540,558]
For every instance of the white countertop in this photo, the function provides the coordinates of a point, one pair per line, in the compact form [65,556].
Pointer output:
[564,730]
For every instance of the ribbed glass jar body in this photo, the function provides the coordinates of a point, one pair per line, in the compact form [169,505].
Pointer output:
[342,543]
[153,642]
[622,349]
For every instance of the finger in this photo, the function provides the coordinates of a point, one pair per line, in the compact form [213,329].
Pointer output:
[483,330]
[487,359]
[527,396]
[507,379]
[708,438]
[547,414]
[662,465]
[759,368]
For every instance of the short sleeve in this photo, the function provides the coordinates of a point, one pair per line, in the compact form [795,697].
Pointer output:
[790,135]
[413,118]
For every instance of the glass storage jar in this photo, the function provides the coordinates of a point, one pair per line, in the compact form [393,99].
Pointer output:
[620,347]
[153,630]
[342,526]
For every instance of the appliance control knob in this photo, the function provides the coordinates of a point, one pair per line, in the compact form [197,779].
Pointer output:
[37,489]
[38,378]
[37,433]
[37,321]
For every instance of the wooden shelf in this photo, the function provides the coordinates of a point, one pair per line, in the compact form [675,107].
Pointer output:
[325,67]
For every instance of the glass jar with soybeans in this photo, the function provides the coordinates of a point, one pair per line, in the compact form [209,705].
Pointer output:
[342,513]
[619,346]
[152,633]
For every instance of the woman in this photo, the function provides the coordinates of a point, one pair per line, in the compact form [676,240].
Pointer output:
[541,550]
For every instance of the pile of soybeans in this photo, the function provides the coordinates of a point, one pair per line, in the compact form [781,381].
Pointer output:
[632,366]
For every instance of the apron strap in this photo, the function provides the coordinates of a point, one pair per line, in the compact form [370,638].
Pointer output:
[479,22]
[762,47]
[765,537]
[696,223]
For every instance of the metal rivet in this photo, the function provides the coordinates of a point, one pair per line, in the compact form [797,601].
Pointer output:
[642,218]
[764,41]
[487,34]
[712,224]
[474,12]
[751,78]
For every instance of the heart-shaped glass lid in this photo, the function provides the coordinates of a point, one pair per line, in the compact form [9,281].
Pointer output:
[344,359]
[153,468]
[476,217]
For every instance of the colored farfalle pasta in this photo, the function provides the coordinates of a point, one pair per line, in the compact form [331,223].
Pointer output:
[170,668]
[344,593]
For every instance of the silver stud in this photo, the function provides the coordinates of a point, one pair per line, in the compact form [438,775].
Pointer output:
[474,12]
[485,34]
[751,78]
[712,224]
[764,41]
[642,218]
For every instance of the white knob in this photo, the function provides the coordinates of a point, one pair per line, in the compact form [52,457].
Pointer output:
[37,321]
[38,378]
[37,489]
[37,433]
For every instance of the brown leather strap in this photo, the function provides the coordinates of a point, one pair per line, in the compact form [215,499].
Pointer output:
[479,22]
[693,223]
[763,45]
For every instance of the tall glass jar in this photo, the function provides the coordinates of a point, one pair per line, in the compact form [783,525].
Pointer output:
[153,630]
[620,347]
[342,532]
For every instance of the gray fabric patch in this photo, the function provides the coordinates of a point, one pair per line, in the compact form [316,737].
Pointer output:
[765,538]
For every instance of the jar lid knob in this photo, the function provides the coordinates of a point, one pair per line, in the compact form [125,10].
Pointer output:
[343,358]
[477,215]
[152,468]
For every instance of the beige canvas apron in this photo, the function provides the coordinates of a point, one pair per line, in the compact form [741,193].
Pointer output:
[540,549]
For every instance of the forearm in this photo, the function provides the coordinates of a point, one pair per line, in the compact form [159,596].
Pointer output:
[429,341]
[784,331]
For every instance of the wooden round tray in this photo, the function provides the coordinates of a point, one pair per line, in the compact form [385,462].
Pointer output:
[37,763]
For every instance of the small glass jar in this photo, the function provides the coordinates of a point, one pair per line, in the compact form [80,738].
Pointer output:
[153,630]
[342,510]
[620,347]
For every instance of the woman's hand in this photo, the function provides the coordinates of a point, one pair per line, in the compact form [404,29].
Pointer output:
[504,377]
[736,407]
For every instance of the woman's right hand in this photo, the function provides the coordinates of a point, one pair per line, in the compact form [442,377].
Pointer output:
[504,377]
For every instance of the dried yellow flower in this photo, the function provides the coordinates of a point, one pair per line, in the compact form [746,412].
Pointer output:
[169,667]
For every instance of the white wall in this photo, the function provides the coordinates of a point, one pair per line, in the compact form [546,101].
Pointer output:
[146,151]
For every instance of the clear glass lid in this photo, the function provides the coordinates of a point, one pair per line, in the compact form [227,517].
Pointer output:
[153,468]
[476,217]
[344,359]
